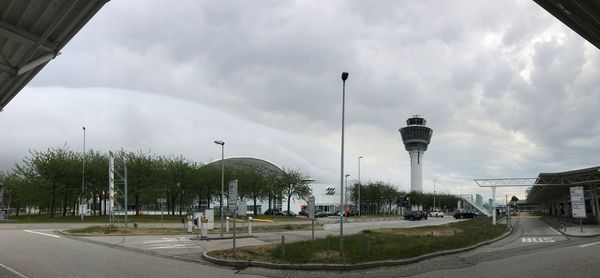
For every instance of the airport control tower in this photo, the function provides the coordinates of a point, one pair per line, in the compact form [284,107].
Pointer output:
[416,137]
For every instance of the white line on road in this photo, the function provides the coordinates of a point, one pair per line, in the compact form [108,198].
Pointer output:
[557,232]
[13,271]
[590,244]
[40,233]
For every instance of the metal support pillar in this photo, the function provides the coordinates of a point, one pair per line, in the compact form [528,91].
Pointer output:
[594,190]
[494,205]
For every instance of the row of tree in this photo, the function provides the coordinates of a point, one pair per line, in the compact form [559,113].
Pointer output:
[52,181]
[379,197]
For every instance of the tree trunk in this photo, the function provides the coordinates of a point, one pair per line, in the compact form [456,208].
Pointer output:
[270,199]
[255,205]
[75,206]
[94,205]
[137,207]
[289,199]
[53,201]
[18,208]
[64,203]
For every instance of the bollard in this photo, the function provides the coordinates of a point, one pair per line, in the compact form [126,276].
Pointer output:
[366,245]
[250,226]
[227,226]
[282,246]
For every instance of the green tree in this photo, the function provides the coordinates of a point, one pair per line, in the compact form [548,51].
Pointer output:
[294,184]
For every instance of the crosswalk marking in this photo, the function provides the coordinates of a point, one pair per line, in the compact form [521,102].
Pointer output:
[537,239]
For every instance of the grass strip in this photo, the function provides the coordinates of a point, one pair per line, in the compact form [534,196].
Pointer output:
[384,244]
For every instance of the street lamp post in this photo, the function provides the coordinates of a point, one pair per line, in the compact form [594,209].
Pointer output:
[81,200]
[359,185]
[344,77]
[222,181]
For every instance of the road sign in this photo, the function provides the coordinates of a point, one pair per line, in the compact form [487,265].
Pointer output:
[311,207]
[402,201]
[577,202]
[233,195]
[242,208]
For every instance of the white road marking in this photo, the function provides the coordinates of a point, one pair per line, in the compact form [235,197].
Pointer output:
[174,246]
[13,271]
[590,244]
[40,233]
[537,239]
[159,241]
[557,232]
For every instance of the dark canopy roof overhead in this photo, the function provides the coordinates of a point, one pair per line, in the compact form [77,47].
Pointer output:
[555,186]
[583,16]
[32,33]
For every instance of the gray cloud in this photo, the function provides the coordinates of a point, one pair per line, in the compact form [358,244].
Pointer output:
[508,90]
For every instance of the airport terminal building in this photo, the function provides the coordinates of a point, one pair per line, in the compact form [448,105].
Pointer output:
[552,194]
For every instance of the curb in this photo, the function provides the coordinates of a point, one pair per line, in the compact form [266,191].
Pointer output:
[320,266]
[571,235]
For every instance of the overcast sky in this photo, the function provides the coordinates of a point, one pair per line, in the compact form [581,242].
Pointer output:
[508,90]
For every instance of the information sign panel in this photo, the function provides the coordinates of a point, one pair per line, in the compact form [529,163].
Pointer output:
[311,207]
[242,208]
[577,202]
[233,195]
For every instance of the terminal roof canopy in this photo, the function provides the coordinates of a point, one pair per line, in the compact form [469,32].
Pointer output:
[32,32]
[583,16]
[552,186]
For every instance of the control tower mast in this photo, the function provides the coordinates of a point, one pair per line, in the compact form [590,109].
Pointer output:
[416,137]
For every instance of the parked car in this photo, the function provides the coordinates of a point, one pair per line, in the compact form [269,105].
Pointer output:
[424,214]
[412,215]
[352,213]
[303,213]
[321,214]
[333,213]
[289,213]
[437,213]
[273,212]
[461,214]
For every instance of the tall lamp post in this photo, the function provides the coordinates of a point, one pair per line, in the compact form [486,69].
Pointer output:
[222,181]
[359,184]
[344,78]
[81,200]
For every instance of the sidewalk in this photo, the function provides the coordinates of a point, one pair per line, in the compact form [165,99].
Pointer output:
[588,230]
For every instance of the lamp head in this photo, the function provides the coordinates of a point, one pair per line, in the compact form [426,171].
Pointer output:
[344,76]
[219,142]
[360,157]
[347,175]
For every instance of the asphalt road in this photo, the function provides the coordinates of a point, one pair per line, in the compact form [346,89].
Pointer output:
[42,254]
[532,250]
